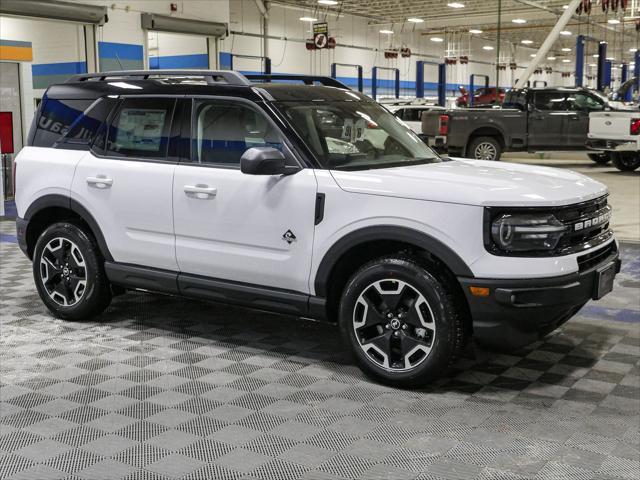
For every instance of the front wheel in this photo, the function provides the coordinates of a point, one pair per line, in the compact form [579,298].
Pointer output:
[484,148]
[600,158]
[627,161]
[69,273]
[400,321]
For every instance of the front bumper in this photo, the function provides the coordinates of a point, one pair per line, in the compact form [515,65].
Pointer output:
[609,145]
[519,312]
[21,234]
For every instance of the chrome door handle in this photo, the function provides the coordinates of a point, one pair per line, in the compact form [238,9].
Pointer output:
[201,191]
[100,181]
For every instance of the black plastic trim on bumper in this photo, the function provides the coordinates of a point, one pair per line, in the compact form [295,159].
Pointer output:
[21,234]
[518,312]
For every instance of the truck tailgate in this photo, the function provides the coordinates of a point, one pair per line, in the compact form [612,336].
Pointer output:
[614,125]
[431,122]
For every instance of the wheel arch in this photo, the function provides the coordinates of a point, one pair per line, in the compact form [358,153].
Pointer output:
[51,208]
[488,131]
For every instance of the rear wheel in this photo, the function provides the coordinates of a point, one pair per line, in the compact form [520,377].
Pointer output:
[400,321]
[69,273]
[484,148]
[600,158]
[626,161]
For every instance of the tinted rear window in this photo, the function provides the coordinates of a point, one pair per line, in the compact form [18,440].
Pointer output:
[56,118]
[84,128]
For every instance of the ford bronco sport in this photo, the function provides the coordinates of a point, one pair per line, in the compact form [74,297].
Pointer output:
[305,199]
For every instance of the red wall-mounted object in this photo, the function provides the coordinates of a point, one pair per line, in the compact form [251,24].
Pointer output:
[6,132]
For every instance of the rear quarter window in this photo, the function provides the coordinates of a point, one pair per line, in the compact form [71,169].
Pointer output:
[56,118]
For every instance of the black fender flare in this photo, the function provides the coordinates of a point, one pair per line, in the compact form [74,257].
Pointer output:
[505,138]
[62,201]
[387,232]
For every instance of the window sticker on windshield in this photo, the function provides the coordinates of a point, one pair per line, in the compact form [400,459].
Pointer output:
[353,131]
[140,129]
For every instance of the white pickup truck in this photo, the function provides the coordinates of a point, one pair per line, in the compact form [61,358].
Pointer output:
[616,135]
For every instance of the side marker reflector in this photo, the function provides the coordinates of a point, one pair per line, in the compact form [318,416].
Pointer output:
[479,291]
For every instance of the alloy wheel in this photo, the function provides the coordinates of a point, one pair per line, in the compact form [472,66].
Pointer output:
[394,325]
[485,151]
[63,271]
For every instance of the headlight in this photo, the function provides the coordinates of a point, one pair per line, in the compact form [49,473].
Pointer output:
[526,232]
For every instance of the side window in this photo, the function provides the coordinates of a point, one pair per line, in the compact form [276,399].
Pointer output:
[549,101]
[582,102]
[141,128]
[84,129]
[400,113]
[56,118]
[223,131]
[412,114]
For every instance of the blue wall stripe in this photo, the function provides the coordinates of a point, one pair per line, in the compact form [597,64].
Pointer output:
[199,60]
[123,51]
[14,43]
[69,68]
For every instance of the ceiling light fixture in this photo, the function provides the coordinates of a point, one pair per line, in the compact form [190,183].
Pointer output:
[436,39]
[565,60]
[566,33]
[475,31]
[526,42]
[487,47]
[566,49]
[415,20]
[519,20]
[328,2]
[455,5]
[388,32]
[613,21]
[632,50]
[308,19]
[551,58]
[533,55]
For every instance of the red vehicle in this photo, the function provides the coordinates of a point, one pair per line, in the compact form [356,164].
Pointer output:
[482,97]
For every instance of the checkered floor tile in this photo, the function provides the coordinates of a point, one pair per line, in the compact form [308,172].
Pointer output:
[167,388]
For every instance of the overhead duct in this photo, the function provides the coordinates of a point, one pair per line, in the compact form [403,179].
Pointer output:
[54,10]
[163,23]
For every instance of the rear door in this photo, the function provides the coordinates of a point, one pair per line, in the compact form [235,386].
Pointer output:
[126,180]
[580,104]
[548,120]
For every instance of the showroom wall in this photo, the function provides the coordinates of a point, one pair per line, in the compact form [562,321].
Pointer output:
[359,43]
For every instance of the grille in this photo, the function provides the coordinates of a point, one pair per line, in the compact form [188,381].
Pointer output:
[588,224]
[589,260]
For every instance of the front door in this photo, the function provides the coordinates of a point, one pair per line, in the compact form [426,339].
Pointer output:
[547,121]
[126,184]
[254,229]
[579,105]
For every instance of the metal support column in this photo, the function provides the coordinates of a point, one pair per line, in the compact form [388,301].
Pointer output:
[607,74]
[602,65]
[636,71]
[359,70]
[549,42]
[580,41]
[442,84]
[374,80]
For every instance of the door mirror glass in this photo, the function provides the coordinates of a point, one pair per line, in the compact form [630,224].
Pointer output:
[263,161]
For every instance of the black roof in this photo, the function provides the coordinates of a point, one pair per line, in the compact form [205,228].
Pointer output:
[205,83]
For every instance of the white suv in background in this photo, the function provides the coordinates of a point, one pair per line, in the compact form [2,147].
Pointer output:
[307,200]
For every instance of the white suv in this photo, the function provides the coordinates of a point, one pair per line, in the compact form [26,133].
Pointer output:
[307,200]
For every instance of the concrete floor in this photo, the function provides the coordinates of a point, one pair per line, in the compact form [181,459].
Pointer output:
[166,388]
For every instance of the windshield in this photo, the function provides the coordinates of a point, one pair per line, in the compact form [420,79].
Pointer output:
[356,135]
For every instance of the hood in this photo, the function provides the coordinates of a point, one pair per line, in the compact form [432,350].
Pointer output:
[475,182]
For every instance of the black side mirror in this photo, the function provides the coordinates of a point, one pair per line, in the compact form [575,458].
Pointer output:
[264,161]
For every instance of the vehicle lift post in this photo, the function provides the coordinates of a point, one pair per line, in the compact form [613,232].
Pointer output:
[374,80]
[636,70]
[580,59]
[472,86]
[624,76]
[352,65]
[602,66]
[442,80]
[228,64]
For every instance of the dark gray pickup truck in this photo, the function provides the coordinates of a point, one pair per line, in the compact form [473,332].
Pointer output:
[530,119]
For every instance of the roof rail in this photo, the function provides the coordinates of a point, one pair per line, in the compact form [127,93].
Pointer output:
[306,79]
[212,76]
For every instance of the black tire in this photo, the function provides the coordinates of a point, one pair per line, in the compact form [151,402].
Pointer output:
[484,148]
[627,161]
[600,158]
[440,330]
[68,270]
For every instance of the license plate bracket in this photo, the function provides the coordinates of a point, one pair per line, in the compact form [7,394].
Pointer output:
[604,280]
